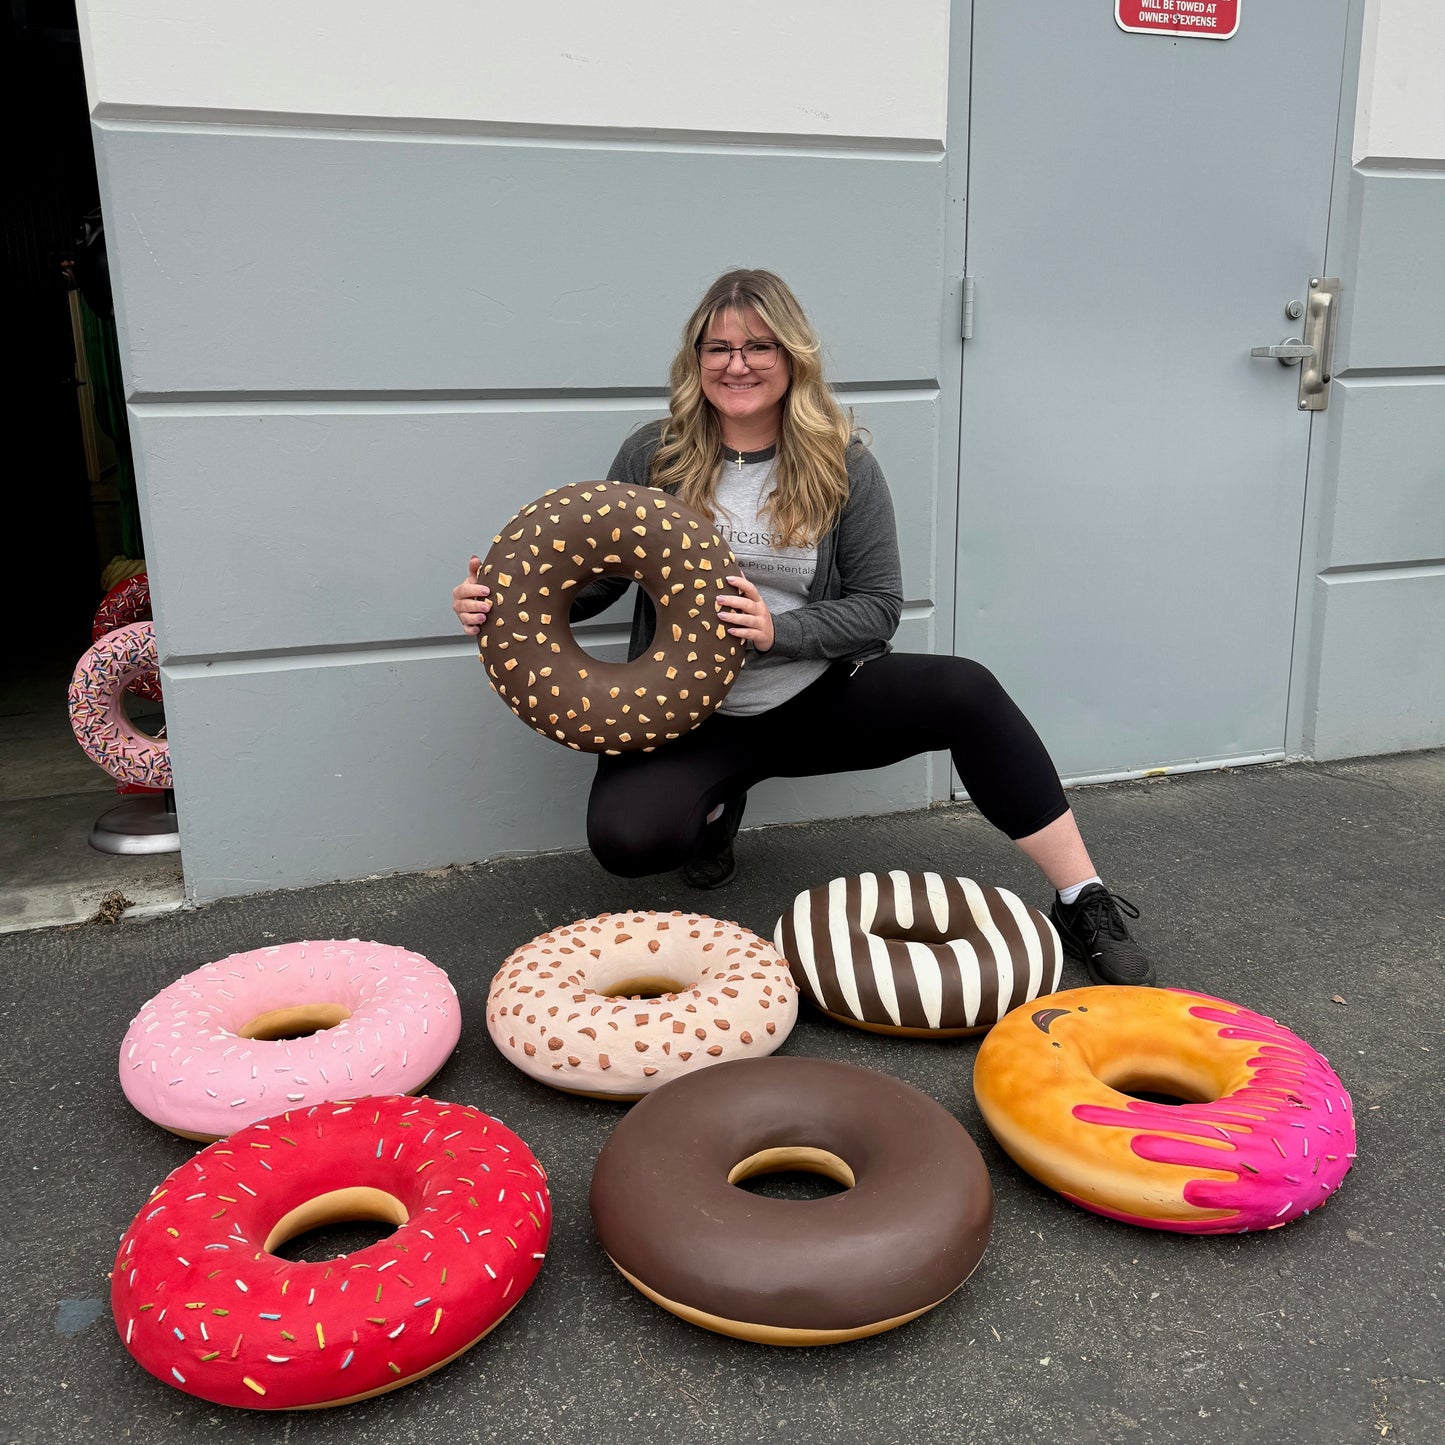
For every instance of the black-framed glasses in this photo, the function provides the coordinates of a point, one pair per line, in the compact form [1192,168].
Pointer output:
[756,355]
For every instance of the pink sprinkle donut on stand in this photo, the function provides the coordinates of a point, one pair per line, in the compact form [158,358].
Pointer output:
[1264,1131]
[201,1300]
[614,1006]
[102,677]
[233,1041]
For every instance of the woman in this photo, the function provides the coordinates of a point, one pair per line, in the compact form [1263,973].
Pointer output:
[755,439]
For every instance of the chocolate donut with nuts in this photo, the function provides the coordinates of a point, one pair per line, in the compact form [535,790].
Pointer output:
[572,536]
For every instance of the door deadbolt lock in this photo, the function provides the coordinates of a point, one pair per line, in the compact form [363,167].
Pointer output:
[1311,353]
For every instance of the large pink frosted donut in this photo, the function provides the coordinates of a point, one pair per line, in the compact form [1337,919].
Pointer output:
[128,601]
[616,1005]
[217,1049]
[97,713]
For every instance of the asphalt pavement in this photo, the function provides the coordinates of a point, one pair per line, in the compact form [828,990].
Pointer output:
[1314,893]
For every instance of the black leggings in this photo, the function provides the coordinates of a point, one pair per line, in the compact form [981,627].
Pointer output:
[647,811]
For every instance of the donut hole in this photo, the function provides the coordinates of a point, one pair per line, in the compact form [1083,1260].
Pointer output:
[921,930]
[332,1241]
[650,985]
[1153,1096]
[298,1021]
[1160,1085]
[341,1221]
[798,1173]
[642,967]
[145,715]
[598,636]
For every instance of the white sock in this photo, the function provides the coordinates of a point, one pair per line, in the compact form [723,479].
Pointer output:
[716,813]
[1071,893]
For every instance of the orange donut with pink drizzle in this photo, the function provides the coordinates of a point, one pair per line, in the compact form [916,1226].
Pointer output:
[1265,1134]
[202,1301]
[616,1005]
[287,1026]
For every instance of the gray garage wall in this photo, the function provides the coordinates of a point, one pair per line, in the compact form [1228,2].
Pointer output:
[355,341]
[352,355]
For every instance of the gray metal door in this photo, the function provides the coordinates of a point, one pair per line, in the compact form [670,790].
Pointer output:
[1141,210]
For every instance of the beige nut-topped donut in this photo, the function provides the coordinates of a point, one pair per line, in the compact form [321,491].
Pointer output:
[616,1005]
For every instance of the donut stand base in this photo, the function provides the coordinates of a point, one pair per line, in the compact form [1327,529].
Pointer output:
[145,823]
[770,1334]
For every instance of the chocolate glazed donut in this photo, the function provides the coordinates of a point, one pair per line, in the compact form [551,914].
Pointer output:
[905,1234]
[572,536]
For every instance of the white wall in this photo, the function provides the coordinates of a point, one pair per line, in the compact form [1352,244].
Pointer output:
[1400,115]
[835,69]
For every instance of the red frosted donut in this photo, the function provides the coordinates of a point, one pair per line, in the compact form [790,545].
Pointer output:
[202,1302]
[128,601]
[97,712]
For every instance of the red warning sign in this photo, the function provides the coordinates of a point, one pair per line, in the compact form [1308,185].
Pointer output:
[1203,19]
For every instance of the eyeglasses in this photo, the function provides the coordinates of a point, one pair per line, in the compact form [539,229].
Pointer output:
[756,355]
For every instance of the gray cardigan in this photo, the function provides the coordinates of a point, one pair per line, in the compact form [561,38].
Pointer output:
[856,597]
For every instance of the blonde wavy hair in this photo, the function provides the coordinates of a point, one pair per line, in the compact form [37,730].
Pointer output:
[810,481]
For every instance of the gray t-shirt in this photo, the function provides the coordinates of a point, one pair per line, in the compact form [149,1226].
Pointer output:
[856,595]
[782,575]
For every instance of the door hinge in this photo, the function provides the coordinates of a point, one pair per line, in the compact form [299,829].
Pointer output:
[967,328]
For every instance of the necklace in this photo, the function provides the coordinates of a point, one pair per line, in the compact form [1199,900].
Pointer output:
[742,459]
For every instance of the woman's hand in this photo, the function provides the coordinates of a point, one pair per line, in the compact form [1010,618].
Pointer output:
[747,615]
[470,599]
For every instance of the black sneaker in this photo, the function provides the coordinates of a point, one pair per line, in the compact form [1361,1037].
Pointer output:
[1094,933]
[713,870]
[714,866]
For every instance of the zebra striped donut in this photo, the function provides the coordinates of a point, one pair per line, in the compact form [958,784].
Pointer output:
[918,954]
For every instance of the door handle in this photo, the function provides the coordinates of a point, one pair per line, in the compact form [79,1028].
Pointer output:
[1319,329]
[1311,353]
[1289,352]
